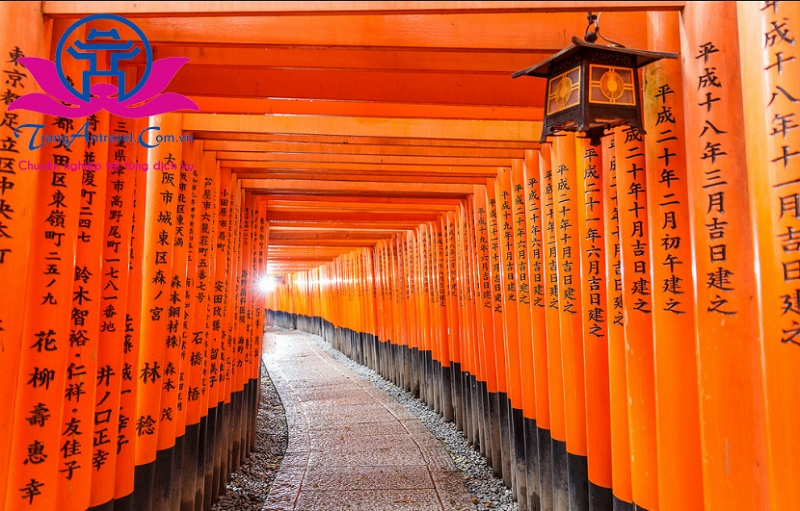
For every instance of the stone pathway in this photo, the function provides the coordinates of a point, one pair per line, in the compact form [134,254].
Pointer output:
[351,446]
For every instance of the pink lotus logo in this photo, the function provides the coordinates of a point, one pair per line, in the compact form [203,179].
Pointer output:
[103,51]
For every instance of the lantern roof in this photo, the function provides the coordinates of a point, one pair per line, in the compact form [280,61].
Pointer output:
[643,57]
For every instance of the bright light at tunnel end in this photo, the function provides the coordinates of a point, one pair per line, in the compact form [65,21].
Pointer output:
[267,284]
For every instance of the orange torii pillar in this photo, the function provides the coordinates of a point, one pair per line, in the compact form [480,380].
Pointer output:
[618,386]
[771,64]
[541,495]
[558,436]
[529,496]
[126,439]
[637,293]
[503,423]
[159,233]
[590,197]
[18,192]
[477,349]
[85,319]
[190,416]
[508,279]
[38,459]
[680,481]
[485,339]
[729,361]
[565,197]
[114,305]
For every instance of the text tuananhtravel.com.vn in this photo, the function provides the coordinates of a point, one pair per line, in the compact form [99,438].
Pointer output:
[144,138]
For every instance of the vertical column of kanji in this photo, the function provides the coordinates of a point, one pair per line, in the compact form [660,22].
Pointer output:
[617,376]
[381,309]
[508,278]
[234,433]
[527,480]
[637,303]
[170,435]
[18,192]
[565,199]
[540,459]
[402,276]
[74,486]
[483,404]
[768,34]
[439,306]
[126,438]
[470,340]
[159,236]
[189,418]
[680,478]
[414,320]
[457,264]
[36,455]
[463,228]
[431,354]
[114,306]
[558,435]
[591,237]
[475,386]
[215,401]
[501,357]
[732,423]
[453,340]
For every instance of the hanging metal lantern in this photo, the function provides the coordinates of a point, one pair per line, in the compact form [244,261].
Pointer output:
[592,87]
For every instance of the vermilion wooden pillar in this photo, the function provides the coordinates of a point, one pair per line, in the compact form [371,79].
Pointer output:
[85,320]
[565,204]
[538,298]
[36,462]
[729,360]
[675,353]
[18,192]
[618,386]
[555,369]
[159,234]
[590,198]
[637,290]
[771,73]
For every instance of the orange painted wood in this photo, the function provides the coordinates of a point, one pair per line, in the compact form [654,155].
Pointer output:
[81,385]
[448,129]
[135,9]
[767,38]
[389,147]
[465,31]
[590,182]
[733,439]
[637,291]
[508,284]
[680,478]
[255,105]
[618,386]
[524,285]
[538,297]
[558,429]
[35,457]
[126,439]
[495,236]
[157,258]
[565,204]
[18,199]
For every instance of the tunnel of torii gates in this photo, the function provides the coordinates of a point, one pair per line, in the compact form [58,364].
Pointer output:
[612,326]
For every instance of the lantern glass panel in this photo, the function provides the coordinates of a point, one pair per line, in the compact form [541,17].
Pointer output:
[564,91]
[610,85]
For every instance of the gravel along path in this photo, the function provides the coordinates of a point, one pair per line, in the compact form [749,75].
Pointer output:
[250,485]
